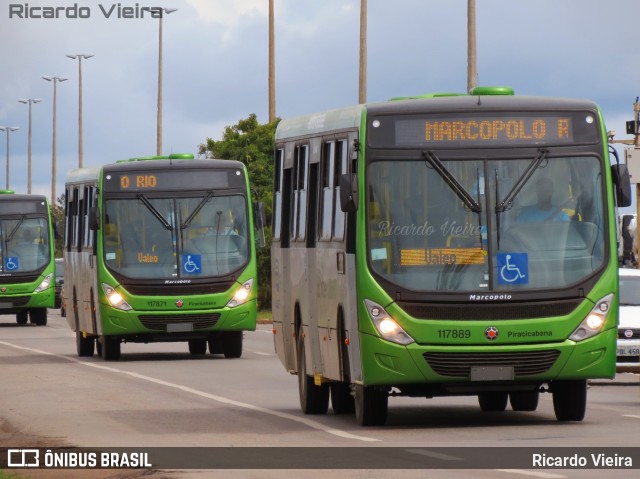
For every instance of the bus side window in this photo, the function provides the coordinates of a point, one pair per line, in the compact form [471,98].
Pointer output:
[277,197]
[326,192]
[339,169]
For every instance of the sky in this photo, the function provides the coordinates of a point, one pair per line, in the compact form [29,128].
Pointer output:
[215,64]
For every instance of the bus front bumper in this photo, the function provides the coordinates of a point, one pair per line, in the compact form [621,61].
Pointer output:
[389,364]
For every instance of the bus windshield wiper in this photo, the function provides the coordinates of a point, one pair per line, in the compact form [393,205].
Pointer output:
[155,212]
[15,228]
[196,210]
[506,203]
[451,180]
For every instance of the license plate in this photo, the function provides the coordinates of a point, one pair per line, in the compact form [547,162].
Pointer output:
[628,351]
[179,327]
[492,373]
[6,305]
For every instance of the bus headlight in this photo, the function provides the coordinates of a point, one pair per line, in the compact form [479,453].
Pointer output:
[44,284]
[388,328]
[115,299]
[242,295]
[593,323]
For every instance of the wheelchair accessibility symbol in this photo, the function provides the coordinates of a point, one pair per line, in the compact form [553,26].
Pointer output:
[191,263]
[11,263]
[513,268]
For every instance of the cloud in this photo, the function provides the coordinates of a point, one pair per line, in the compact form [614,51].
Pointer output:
[228,12]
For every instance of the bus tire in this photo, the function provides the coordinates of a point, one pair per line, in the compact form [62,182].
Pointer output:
[215,343]
[569,399]
[198,346]
[493,402]
[524,400]
[84,345]
[232,344]
[371,405]
[22,317]
[313,399]
[342,401]
[110,348]
[38,316]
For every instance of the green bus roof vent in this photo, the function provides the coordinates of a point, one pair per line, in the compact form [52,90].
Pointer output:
[7,192]
[492,90]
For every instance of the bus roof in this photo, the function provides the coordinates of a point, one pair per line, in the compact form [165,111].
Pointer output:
[80,175]
[349,117]
[23,197]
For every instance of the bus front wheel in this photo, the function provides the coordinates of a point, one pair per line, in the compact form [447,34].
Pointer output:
[232,344]
[493,402]
[22,317]
[569,399]
[197,346]
[313,399]
[110,348]
[371,405]
[38,316]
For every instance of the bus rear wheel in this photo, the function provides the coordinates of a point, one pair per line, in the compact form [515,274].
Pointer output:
[569,399]
[110,348]
[84,345]
[313,399]
[493,402]
[38,316]
[342,402]
[371,405]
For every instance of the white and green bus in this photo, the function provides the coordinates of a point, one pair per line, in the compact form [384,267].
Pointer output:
[446,245]
[160,249]
[26,257]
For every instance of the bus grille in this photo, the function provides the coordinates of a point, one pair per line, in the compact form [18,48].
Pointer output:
[16,300]
[482,311]
[621,333]
[159,322]
[459,364]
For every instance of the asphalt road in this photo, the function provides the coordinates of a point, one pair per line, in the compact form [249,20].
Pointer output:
[158,395]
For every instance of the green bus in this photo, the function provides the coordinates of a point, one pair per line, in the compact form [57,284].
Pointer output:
[160,249]
[26,257]
[446,245]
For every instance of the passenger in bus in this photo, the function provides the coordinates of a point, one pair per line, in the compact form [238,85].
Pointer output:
[543,210]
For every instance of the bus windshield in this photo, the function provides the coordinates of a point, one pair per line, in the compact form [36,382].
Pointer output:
[175,237]
[486,224]
[24,244]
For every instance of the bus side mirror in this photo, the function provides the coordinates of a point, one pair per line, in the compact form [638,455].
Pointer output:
[622,184]
[259,221]
[349,192]
[94,220]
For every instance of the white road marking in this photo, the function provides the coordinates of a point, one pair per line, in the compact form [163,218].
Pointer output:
[634,416]
[545,475]
[302,420]
[261,354]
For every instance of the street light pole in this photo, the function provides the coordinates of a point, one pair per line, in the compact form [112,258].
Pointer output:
[159,120]
[79,57]
[29,102]
[362,82]
[8,129]
[55,81]
[272,65]
[472,68]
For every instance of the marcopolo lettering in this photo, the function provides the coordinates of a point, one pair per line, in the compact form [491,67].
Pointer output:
[489,297]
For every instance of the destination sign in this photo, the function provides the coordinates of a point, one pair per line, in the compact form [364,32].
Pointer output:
[173,180]
[493,130]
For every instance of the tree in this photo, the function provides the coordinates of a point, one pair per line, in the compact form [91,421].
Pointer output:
[252,144]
